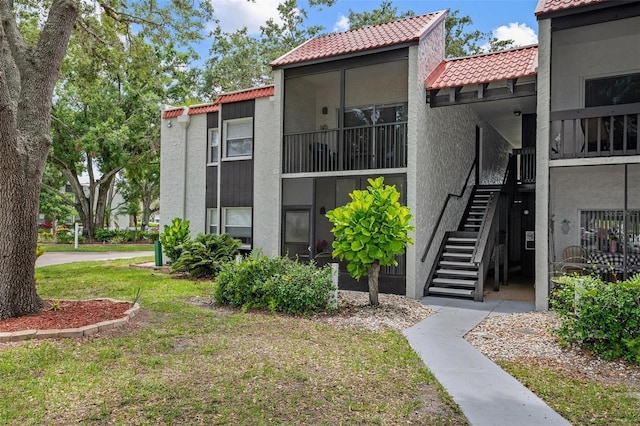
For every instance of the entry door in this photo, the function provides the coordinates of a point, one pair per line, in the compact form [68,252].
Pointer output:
[297,232]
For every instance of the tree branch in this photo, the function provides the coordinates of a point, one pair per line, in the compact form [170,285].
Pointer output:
[59,193]
[12,33]
[109,174]
[63,124]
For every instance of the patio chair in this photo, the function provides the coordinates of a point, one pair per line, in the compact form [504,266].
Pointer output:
[572,257]
[574,254]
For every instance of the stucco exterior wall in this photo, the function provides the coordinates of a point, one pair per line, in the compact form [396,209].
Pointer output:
[196,174]
[422,60]
[587,188]
[182,170]
[172,168]
[600,50]
[495,154]
[267,157]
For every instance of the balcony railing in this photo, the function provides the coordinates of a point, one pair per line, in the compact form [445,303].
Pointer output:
[595,132]
[526,164]
[382,146]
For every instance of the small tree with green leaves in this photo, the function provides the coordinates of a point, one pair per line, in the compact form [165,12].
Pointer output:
[371,231]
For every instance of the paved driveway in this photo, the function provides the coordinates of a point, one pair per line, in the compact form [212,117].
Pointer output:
[69,257]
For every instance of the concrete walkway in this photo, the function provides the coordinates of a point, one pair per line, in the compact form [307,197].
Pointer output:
[486,394]
[68,257]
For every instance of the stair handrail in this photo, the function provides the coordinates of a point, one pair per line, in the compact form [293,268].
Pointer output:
[444,207]
[487,228]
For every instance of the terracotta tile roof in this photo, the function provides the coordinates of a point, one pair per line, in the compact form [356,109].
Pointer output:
[172,113]
[203,109]
[245,95]
[504,65]
[548,6]
[374,37]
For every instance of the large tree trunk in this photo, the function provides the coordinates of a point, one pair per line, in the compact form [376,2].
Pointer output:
[19,198]
[27,79]
[373,273]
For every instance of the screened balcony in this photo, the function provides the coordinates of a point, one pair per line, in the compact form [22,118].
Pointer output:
[346,120]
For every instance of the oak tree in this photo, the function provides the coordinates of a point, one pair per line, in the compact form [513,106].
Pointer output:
[34,37]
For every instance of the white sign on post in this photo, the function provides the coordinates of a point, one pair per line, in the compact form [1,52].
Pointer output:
[75,236]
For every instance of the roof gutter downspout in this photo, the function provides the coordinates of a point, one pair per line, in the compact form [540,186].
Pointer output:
[184,120]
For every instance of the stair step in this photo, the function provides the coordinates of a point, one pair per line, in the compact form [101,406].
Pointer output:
[457,272]
[457,255]
[454,264]
[461,248]
[454,282]
[472,226]
[462,240]
[475,219]
[444,291]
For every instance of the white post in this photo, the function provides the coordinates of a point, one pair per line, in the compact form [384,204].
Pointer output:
[75,236]
[335,269]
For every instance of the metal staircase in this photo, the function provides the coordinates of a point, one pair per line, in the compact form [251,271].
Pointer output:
[457,271]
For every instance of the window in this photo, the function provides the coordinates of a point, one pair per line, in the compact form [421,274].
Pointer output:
[212,221]
[238,138]
[616,90]
[213,146]
[237,223]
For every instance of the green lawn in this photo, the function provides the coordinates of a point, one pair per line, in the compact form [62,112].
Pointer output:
[98,248]
[581,401]
[183,364]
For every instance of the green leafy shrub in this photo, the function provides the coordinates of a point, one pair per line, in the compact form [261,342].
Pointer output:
[601,317]
[204,256]
[277,283]
[45,236]
[150,236]
[303,288]
[65,236]
[39,251]
[174,236]
[104,234]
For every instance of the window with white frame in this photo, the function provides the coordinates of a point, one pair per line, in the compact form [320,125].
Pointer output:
[212,155]
[238,140]
[237,223]
[212,221]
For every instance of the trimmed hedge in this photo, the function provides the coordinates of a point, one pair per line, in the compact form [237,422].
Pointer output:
[278,284]
[602,317]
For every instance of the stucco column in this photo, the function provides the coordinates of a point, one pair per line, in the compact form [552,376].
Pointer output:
[542,166]
[413,289]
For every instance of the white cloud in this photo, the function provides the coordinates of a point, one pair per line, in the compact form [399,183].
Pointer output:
[521,34]
[342,24]
[235,14]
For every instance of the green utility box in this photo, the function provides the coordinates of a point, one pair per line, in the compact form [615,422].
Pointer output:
[158,249]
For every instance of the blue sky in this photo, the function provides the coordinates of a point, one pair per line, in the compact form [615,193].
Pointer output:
[506,19]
